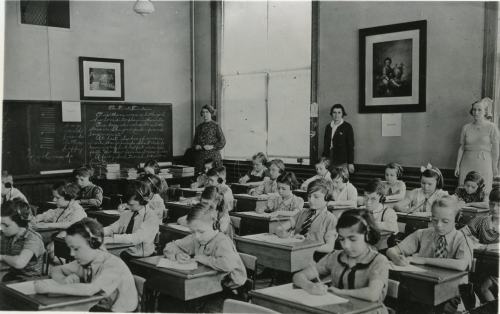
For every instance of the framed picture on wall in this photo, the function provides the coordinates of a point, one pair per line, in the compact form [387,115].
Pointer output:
[101,79]
[392,72]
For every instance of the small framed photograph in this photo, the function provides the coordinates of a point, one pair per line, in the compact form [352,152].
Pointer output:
[392,70]
[101,79]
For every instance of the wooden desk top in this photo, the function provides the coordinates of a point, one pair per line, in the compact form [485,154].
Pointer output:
[256,216]
[108,246]
[269,297]
[252,239]
[248,184]
[475,210]
[406,216]
[151,262]
[432,274]
[174,227]
[178,205]
[492,250]
[261,197]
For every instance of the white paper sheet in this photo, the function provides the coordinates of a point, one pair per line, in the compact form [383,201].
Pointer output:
[248,196]
[272,238]
[391,124]
[111,212]
[28,287]
[179,227]
[166,263]
[71,112]
[404,268]
[305,298]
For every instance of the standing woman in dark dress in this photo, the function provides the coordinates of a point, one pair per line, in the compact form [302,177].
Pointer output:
[208,139]
[339,140]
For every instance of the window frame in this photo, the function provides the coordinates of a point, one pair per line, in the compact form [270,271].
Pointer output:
[32,26]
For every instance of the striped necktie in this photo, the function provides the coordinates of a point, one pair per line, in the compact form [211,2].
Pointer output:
[87,277]
[440,251]
[307,223]
[130,226]
[425,205]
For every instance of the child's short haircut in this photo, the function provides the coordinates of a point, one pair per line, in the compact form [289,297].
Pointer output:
[153,181]
[323,160]
[323,185]
[398,168]
[200,212]
[475,176]
[290,179]
[278,162]
[433,172]
[18,211]
[260,157]
[138,190]
[448,201]
[210,161]
[84,171]
[7,178]
[365,223]
[93,225]
[375,186]
[217,172]
[341,172]
[495,195]
[154,165]
[66,189]
[212,193]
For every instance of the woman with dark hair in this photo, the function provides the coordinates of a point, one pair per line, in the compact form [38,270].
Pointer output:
[208,139]
[339,140]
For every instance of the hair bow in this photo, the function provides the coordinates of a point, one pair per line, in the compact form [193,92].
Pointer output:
[429,167]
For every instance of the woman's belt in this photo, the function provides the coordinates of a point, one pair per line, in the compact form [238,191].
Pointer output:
[480,149]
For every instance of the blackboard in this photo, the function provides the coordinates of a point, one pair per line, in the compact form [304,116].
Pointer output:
[35,138]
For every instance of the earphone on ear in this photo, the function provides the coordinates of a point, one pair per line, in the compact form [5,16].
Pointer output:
[95,242]
[220,180]
[143,201]
[382,199]
[6,179]
[7,185]
[21,215]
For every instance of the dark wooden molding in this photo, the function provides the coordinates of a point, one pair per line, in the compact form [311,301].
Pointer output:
[314,121]
[490,49]
[216,28]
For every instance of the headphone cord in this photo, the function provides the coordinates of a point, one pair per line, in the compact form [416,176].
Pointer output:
[425,201]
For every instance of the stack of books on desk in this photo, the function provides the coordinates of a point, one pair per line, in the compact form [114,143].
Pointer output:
[128,174]
[113,171]
[165,174]
[181,171]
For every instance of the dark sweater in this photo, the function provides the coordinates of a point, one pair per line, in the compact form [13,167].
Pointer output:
[343,144]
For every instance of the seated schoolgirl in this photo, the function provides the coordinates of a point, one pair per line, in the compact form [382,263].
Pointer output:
[484,229]
[321,166]
[421,199]
[9,192]
[202,179]
[344,193]
[93,270]
[212,248]
[212,198]
[472,193]
[67,212]
[20,246]
[393,186]
[285,203]
[356,270]
[316,222]
[259,171]
[156,203]
[374,198]
[152,167]
[276,167]
[217,177]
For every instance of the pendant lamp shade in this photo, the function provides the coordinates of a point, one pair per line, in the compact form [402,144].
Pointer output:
[143,7]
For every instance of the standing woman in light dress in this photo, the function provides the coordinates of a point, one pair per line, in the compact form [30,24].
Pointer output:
[478,146]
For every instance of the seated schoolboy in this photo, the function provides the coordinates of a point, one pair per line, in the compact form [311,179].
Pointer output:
[393,186]
[93,271]
[67,212]
[152,167]
[276,167]
[321,166]
[420,200]
[315,223]
[202,179]
[344,193]
[90,195]
[208,246]
[9,192]
[259,171]
[472,193]
[156,203]
[217,177]
[374,198]
[356,270]
[138,225]
[442,246]
[285,203]
[20,246]
[484,229]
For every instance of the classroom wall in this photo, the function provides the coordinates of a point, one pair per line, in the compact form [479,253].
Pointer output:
[42,64]
[454,69]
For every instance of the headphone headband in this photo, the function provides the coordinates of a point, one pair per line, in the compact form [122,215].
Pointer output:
[361,219]
[87,229]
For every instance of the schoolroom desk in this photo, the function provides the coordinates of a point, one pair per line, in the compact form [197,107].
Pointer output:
[17,301]
[176,210]
[413,222]
[62,250]
[290,257]
[180,284]
[433,286]
[248,203]
[254,223]
[104,217]
[487,259]
[469,213]
[301,193]
[271,299]
[46,233]
[171,232]
[238,188]
[382,243]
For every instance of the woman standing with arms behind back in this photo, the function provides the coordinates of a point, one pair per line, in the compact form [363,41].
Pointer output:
[478,146]
[339,140]
[208,139]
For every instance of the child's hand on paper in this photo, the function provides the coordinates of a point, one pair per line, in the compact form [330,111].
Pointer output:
[122,207]
[299,236]
[41,287]
[401,260]
[42,225]
[73,278]
[282,233]
[336,290]
[202,258]
[241,181]
[316,288]
[183,258]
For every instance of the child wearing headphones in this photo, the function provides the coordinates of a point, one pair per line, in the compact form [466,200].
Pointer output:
[212,198]
[276,167]
[152,167]
[321,166]
[202,179]
[472,192]
[344,193]
[90,195]
[259,172]
[138,225]
[93,270]
[441,245]
[420,200]
[217,177]
[9,192]
[212,248]
[20,247]
[374,198]
[357,270]
[67,212]
[285,203]
[156,203]
[393,186]
[316,222]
